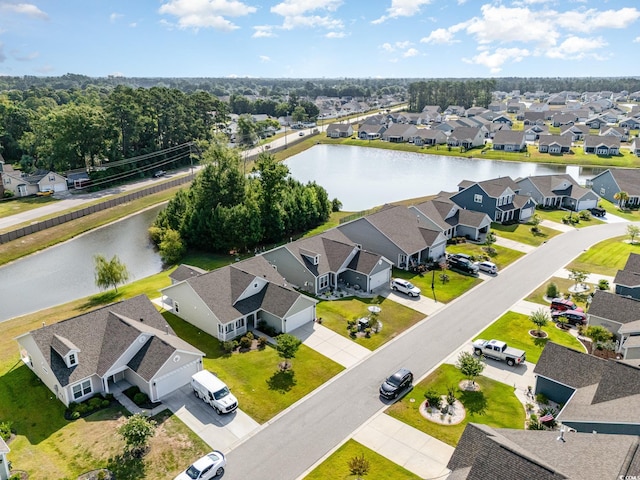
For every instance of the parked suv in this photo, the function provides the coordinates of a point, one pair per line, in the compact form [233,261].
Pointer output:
[573,317]
[562,304]
[396,384]
[462,264]
[598,211]
[404,286]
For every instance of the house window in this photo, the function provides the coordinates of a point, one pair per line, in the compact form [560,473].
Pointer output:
[176,307]
[323,281]
[52,178]
[73,360]
[220,329]
[7,181]
[81,389]
[228,328]
[240,323]
[477,198]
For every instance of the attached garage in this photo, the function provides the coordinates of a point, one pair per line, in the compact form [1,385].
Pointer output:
[164,385]
[379,279]
[587,204]
[298,319]
[527,212]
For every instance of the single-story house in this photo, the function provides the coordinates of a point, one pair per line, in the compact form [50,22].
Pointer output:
[608,145]
[339,130]
[429,137]
[635,147]
[533,118]
[575,132]
[452,220]
[630,123]
[554,144]
[596,395]
[621,316]
[614,180]
[485,452]
[399,133]
[558,191]
[232,300]
[466,137]
[371,131]
[562,119]
[503,119]
[627,280]
[497,197]
[323,262]
[88,354]
[394,233]
[619,132]
[509,140]
[534,132]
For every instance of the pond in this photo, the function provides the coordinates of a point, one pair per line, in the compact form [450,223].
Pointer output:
[362,178]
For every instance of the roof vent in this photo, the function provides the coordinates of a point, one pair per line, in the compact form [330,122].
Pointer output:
[141,319]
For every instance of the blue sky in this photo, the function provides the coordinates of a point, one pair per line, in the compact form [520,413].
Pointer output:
[320,38]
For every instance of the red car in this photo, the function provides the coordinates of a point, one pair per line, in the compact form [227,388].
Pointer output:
[562,304]
[573,317]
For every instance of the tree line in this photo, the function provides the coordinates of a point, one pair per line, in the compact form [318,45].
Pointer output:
[225,210]
[443,93]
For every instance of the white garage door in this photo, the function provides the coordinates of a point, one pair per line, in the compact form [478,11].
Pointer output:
[380,278]
[299,319]
[175,379]
[586,204]
[526,213]
[59,187]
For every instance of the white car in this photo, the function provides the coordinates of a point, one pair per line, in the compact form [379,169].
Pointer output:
[488,267]
[404,286]
[210,466]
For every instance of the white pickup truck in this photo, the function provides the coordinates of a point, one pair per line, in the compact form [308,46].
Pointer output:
[499,351]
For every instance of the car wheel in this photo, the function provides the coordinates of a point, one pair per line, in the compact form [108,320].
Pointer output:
[477,351]
[394,288]
[218,411]
[510,362]
[219,471]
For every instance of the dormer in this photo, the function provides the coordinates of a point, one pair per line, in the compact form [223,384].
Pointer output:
[66,349]
[312,257]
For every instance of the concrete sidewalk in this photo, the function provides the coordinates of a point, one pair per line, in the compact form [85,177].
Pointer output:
[332,345]
[513,245]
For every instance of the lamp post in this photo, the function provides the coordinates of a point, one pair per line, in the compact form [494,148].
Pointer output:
[433,285]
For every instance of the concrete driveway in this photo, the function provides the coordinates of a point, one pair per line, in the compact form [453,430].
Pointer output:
[220,432]
[423,304]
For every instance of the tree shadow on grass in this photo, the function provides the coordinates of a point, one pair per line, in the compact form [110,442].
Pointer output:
[540,342]
[474,402]
[127,467]
[100,299]
[282,381]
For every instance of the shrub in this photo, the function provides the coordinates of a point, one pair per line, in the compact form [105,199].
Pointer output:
[249,335]
[105,403]
[82,408]
[542,399]
[433,399]
[367,332]
[603,284]
[262,342]
[266,328]
[245,342]
[229,346]
[140,398]
[131,391]
[5,430]
[95,403]
[585,215]
[75,415]
[552,290]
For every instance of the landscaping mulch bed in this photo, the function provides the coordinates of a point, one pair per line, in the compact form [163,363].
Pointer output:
[606,354]
[537,334]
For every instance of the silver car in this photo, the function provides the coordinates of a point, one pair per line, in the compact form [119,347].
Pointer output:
[487,267]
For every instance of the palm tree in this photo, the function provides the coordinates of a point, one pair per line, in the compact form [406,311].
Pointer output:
[539,318]
[622,197]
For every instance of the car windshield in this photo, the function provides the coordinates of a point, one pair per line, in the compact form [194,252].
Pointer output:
[394,380]
[221,393]
[193,472]
[409,285]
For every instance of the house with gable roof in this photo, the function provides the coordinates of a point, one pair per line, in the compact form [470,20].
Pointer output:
[602,145]
[466,137]
[635,147]
[429,137]
[230,301]
[339,130]
[485,453]
[452,220]
[25,185]
[618,132]
[627,280]
[596,395]
[399,133]
[534,132]
[371,131]
[621,316]
[322,262]
[575,132]
[558,191]
[614,180]
[126,341]
[554,144]
[509,140]
[630,123]
[497,197]
[398,234]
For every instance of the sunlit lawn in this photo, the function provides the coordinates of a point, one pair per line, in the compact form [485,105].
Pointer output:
[503,256]
[537,296]
[395,318]
[20,205]
[336,467]
[521,232]
[495,404]
[513,328]
[606,257]
[558,215]
[254,377]
[457,284]
[334,221]
[631,215]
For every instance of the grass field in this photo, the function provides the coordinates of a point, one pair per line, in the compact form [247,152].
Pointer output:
[606,257]
[537,296]
[494,404]
[21,205]
[444,292]
[503,256]
[521,232]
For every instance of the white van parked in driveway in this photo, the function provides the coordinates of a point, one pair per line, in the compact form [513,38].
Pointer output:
[404,286]
[213,391]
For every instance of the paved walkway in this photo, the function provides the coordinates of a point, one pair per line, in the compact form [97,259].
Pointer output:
[423,304]
[561,227]
[332,345]
[513,245]
[593,278]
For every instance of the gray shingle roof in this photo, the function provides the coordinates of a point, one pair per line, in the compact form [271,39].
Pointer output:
[509,137]
[185,271]
[614,307]
[562,140]
[596,140]
[628,179]
[568,366]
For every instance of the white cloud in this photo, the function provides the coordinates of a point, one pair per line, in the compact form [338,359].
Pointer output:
[292,8]
[392,47]
[263,31]
[133,24]
[387,47]
[309,14]
[25,9]
[592,19]
[576,48]
[402,8]
[494,61]
[313,21]
[206,13]
[412,52]
[265,59]
[440,36]
[335,35]
[636,40]
[115,16]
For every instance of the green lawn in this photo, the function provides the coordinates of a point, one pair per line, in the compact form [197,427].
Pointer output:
[13,207]
[503,256]
[445,292]
[513,328]
[521,232]
[537,296]
[495,405]
[395,318]
[334,221]
[558,215]
[336,467]
[254,378]
[631,215]
[606,257]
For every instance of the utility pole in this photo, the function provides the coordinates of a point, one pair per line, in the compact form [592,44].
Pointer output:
[286,120]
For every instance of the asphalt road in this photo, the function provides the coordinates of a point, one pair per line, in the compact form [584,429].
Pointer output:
[296,439]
